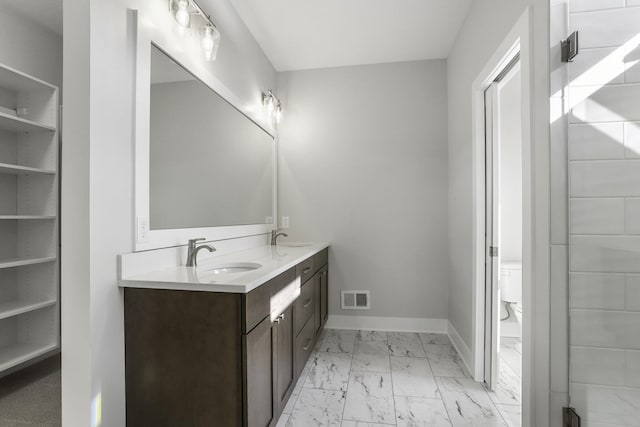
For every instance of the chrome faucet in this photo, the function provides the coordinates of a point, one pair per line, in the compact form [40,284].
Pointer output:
[192,253]
[274,236]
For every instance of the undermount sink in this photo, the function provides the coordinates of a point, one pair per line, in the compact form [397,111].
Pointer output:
[230,267]
[294,244]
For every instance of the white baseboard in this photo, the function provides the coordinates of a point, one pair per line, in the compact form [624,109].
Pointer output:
[461,347]
[391,324]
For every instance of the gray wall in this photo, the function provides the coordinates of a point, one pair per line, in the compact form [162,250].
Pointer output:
[487,24]
[363,165]
[29,47]
[97,182]
[480,36]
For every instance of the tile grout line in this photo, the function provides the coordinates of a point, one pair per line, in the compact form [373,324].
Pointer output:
[346,392]
[393,394]
[437,382]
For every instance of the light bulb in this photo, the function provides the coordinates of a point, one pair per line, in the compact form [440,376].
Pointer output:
[270,104]
[182,16]
[209,41]
[278,114]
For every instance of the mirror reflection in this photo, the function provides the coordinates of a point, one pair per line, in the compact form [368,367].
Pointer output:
[210,165]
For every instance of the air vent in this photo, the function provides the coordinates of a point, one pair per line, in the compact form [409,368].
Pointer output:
[355,300]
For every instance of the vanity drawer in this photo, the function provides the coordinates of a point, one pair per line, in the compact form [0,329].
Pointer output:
[305,269]
[257,303]
[321,258]
[304,346]
[304,306]
[285,279]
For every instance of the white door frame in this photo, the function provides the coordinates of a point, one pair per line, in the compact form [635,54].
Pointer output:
[493,111]
[518,40]
[492,235]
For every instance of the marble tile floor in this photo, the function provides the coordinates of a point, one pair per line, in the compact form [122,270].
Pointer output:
[507,395]
[380,379]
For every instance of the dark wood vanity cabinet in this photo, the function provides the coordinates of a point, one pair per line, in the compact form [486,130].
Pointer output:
[323,284]
[220,359]
[259,359]
[284,359]
[321,291]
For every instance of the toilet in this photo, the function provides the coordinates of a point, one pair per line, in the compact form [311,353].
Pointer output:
[510,284]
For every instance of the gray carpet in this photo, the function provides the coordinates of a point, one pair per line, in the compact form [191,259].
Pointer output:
[31,397]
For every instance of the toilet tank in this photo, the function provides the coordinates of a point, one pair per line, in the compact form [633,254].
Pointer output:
[511,282]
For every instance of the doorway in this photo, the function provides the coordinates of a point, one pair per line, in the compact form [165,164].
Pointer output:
[504,239]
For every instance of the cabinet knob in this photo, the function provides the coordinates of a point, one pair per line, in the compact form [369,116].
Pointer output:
[307,302]
[306,347]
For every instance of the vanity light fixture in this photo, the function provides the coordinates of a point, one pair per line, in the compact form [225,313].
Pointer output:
[183,11]
[272,104]
[209,40]
[180,11]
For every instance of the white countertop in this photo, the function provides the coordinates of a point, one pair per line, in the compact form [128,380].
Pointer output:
[274,260]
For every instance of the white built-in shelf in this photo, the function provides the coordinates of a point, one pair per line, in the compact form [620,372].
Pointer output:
[18,124]
[14,308]
[29,195]
[15,354]
[18,262]
[27,217]
[10,169]
[17,81]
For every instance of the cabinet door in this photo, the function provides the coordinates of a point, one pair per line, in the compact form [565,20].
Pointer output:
[259,375]
[317,314]
[324,294]
[284,358]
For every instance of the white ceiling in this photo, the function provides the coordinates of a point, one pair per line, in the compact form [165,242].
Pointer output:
[47,13]
[297,34]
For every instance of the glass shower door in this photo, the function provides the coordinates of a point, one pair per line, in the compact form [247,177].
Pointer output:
[603,106]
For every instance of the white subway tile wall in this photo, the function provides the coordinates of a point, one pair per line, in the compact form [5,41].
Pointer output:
[597,216]
[592,141]
[597,291]
[604,212]
[585,5]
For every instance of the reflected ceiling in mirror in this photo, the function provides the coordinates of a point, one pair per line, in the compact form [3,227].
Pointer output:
[210,165]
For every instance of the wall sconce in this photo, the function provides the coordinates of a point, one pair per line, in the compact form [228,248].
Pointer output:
[273,105]
[182,11]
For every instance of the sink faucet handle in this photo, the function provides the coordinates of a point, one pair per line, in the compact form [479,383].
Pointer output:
[192,242]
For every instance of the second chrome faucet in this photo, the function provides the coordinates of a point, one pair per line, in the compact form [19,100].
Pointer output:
[275,235]
[192,252]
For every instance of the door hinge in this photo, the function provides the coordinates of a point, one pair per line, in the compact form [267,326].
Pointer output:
[570,418]
[493,251]
[569,47]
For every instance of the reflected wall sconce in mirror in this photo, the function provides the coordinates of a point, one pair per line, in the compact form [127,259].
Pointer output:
[183,11]
[273,105]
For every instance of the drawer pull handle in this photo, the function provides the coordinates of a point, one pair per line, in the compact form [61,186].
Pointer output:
[307,302]
[306,347]
[306,270]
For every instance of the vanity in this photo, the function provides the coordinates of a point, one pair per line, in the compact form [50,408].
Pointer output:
[223,349]
[222,342]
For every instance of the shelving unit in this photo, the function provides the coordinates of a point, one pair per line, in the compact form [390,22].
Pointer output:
[29,239]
